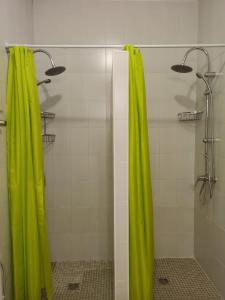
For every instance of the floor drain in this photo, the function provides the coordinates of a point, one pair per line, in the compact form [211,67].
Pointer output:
[73,286]
[163,280]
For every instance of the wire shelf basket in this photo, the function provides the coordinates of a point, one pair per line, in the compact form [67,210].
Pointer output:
[48,138]
[190,116]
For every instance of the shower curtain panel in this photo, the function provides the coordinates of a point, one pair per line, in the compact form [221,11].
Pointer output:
[30,251]
[140,192]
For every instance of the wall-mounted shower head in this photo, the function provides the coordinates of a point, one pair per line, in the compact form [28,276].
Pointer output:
[46,81]
[181,68]
[54,70]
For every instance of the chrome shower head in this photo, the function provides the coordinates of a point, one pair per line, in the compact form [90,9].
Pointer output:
[182,68]
[54,70]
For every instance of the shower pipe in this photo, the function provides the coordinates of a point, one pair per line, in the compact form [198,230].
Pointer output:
[7,46]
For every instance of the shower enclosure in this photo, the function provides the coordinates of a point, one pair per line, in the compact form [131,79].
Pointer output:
[77,114]
[81,143]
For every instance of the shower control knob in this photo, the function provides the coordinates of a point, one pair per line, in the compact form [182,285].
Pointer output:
[203,178]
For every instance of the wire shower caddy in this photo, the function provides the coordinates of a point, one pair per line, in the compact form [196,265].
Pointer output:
[47,138]
[190,116]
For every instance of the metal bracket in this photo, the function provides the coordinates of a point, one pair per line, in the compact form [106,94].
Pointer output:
[213,74]
[210,141]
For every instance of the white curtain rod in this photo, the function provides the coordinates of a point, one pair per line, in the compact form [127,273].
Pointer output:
[7,45]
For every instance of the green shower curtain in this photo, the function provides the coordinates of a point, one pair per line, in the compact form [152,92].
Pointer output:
[30,251]
[140,192]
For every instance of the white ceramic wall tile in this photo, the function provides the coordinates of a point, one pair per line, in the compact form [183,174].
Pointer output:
[81,224]
[101,247]
[167,193]
[79,167]
[155,165]
[97,113]
[167,140]
[185,193]
[58,250]
[97,140]
[98,221]
[78,113]
[170,221]
[153,133]
[86,61]
[168,166]
[79,141]
[61,197]
[94,86]
[62,221]
[80,194]
[81,252]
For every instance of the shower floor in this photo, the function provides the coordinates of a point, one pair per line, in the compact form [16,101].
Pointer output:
[83,280]
[93,280]
[187,281]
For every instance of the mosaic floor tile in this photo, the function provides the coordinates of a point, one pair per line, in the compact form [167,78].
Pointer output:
[181,279]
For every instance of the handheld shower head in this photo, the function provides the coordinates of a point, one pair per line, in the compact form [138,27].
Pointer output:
[46,81]
[54,70]
[200,76]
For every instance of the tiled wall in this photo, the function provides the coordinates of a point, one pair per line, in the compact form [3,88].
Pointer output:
[120,160]
[210,216]
[81,159]
[15,26]
[172,155]
[79,163]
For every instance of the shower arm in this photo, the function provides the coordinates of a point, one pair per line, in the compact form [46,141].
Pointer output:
[47,53]
[197,49]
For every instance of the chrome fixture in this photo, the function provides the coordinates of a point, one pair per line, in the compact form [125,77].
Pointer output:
[208,178]
[46,81]
[183,68]
[208,88]
[54,70]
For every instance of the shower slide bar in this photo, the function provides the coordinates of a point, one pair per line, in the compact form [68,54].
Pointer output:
[7,46]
